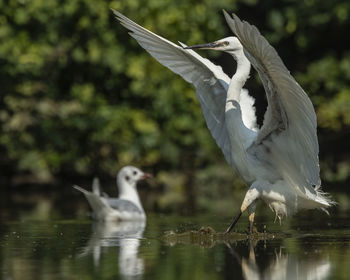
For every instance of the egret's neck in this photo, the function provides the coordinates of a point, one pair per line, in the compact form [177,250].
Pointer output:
[127,191]
[238,133]
[239,78]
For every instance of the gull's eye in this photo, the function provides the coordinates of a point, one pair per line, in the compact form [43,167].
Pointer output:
[127,178]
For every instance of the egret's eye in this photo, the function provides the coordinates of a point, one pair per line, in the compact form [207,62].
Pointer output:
[225,43]
[127,178]
[134,173]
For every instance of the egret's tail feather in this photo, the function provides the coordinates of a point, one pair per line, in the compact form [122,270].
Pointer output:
[324,198]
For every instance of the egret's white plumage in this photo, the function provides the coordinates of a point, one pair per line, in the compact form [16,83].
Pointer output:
[127,206]
[279,160]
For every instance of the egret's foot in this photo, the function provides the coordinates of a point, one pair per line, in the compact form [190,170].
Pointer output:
[253,229]
[207,230]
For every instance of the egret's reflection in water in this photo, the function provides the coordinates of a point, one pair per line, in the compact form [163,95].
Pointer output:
[126,235]
[313,266]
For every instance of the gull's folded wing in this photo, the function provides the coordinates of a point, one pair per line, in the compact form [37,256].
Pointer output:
[123,205]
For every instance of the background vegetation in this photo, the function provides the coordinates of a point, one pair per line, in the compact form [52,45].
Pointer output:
[80,98]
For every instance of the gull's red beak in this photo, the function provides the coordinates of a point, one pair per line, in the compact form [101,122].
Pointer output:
[146,176]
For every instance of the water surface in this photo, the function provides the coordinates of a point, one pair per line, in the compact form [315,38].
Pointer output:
[315,247]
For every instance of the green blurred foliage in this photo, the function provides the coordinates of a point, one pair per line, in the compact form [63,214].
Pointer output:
[79,96]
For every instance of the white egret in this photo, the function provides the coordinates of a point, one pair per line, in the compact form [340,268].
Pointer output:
[127,206]
[279,160]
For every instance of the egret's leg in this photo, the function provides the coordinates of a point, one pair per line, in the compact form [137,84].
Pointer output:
[250,197]
[251,210]
[234,221]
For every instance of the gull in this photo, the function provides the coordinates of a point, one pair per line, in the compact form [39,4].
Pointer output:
[279,160]
[127,207]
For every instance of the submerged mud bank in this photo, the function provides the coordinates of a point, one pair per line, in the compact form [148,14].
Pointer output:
[208,237]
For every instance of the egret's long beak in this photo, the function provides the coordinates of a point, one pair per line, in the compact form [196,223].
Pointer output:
[207,46]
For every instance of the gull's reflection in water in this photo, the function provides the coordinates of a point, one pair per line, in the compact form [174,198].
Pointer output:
[126,235]
[310,266]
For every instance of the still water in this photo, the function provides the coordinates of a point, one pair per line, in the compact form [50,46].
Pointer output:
[315,246]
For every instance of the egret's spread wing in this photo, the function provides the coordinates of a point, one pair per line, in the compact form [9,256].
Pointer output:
[210,81]
[290,120]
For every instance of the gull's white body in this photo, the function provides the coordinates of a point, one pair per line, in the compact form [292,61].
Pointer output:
[280,160]
[127,207]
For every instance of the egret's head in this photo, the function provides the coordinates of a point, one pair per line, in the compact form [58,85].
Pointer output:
[228,44]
